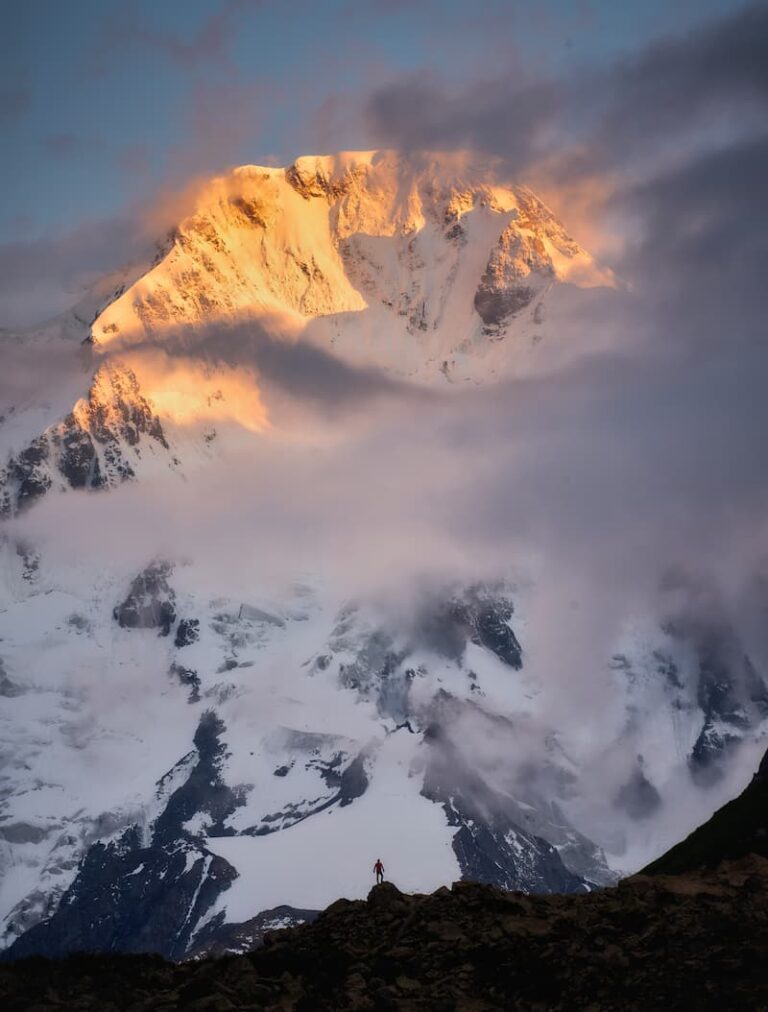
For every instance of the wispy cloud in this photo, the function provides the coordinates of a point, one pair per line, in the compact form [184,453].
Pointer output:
[128,28]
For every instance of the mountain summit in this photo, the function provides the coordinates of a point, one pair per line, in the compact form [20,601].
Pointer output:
[418,263]
[429,268]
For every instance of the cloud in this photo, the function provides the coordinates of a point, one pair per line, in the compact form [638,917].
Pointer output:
[700,248]
[585,486]
[44,276]
[300,371]
[32,374]
[695,87]
[618,463]
[127,28]
[676,85]
[39,277]
[506,116]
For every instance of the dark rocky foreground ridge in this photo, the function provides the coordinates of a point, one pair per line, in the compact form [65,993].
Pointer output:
[672,942]
[693,940]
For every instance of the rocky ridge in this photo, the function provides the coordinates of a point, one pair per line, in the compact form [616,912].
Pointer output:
[677,942]
[96,446]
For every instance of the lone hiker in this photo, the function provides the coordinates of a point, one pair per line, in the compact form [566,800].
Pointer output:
[379,869]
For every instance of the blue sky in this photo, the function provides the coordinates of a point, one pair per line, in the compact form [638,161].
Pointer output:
[103,101]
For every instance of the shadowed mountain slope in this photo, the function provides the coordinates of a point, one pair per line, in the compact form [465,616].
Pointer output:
[736,829]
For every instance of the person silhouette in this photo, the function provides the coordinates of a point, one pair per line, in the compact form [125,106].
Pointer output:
[379,869]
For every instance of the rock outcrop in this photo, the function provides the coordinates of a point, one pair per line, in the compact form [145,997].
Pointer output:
[149,603]
[695,941]
[96,446]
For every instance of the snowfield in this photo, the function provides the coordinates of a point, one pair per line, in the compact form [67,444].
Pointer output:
[332,855]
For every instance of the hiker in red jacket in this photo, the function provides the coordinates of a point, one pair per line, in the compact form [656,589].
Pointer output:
[379,869]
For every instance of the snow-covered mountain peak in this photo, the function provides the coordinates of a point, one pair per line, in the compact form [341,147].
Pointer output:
[433,267]
[410,263]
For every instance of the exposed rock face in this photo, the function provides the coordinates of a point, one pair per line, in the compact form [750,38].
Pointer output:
[494,849]
[692,940]
[116,409]
[203,792]
[675,943]
[429,676]
[220,939]
[731,693]
[95,446]
[187,632]
[147,890]
[519,838]
[26,477]
[8,687]
[344,776]
[188,677]
[150,601]
[734,698]
[64,844]
[500,840]
[517,271]
[483,616]
[131,898]
[699,663]
[377,660]
[317,183]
